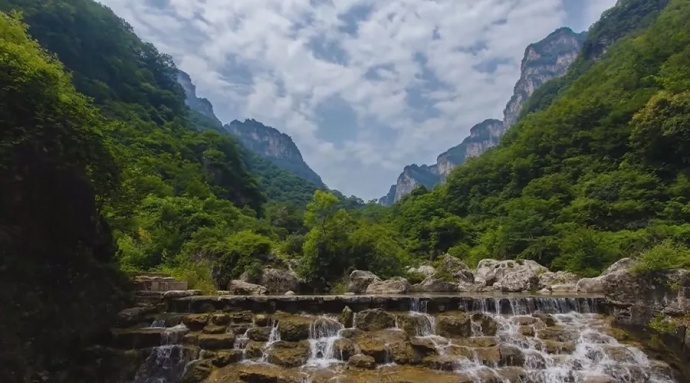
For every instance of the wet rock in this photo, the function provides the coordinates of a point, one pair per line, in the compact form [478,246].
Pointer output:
[486,323]
[456,326]
[220,319]
[350,333]
[510,276]
[526,331]
[347,317]
[275,281]
[363,362]
[132,316]
[259,334]
[242,317]
[289,354]
[216,342]
[213,329]
[262,320]
[524,320]
[558,334]
[344,348]
[360,281]
[620,354]
[511,356]
[294,328]
[440,363]
[260,373]
[197,371]
[514,374]
[374,320]
[555,347]
[546,319]
[195,322]
[375,348]
[478,341]
[172,294]
[225,358]
[413,324]
[598,379]
[424,346]
[404,354]
[489,356]
[238,287]
[191,339]
[254,350]
[396,285]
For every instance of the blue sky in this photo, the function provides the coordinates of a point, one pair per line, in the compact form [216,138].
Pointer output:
[364,87]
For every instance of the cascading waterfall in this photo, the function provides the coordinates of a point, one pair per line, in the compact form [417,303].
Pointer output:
[167,362]
[273,337]
[323,334]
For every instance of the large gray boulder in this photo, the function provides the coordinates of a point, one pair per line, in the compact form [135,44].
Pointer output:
[597,285]
[435,285]
[509,276]
[360,280]
[460,271]
[276,281]
[550,279]
[396,285]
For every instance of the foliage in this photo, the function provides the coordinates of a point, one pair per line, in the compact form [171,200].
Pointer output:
[56,250]
[666,255]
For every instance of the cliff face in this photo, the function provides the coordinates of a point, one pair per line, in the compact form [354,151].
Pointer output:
[543,61]
[273,145]
[201,105]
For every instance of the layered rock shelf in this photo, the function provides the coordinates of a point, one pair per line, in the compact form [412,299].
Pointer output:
[436,303]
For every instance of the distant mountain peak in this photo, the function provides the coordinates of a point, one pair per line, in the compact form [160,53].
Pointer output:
[544,60]
[198,104]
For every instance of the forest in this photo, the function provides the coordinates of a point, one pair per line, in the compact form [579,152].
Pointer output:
[105,172]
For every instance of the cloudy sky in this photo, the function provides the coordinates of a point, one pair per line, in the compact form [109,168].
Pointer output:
[364,87]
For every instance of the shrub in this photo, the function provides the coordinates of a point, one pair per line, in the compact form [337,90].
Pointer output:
[415,277]
[663,256]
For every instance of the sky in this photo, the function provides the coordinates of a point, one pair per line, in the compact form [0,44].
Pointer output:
[364,87]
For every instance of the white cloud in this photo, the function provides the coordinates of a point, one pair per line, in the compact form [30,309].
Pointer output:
[407,68]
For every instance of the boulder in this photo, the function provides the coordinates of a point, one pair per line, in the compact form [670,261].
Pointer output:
[374,320]
[510,276]
[343,348]
[434,285]
[347,317]
[456,326]
[363,362]
[238,287]
[511,356]
[263,373]
[596,285]
[396,285]
[217,341]
[259,334]
[549,279]
[225,358]
[487,324]
[373,347]
[414,325]
[294,328]
[460,271]
[131,316]
[276,281]
[197,371]
[290,293]
[289,354]
[195,322]
[426,270]
[360,280]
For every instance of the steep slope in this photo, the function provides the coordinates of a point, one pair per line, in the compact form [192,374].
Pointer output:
[200,105]
[275,146]
[545,60]
[598,175]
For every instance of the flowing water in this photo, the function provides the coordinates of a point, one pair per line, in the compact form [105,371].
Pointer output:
[546,340]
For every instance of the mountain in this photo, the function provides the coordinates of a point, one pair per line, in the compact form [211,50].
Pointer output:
[200,105]
[543,61]
[277,147]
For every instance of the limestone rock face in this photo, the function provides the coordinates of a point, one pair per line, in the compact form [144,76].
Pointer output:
[434,285]
[238,287]
[456,326]
[550,279]
[360,281]
[396,285]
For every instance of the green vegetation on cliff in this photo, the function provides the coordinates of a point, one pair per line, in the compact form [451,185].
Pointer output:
[59,284]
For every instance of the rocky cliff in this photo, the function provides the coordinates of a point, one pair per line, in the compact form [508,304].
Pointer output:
[273,145]
[543,61]
[201,105]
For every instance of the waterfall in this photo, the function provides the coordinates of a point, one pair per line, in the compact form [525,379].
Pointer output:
[166,363]
[273,337]
[323,334]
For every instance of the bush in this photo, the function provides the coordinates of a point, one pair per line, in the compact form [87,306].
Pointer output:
[666,255]
[197,274]
[415,277]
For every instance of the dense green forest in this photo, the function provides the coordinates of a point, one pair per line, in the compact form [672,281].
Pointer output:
[105,171]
